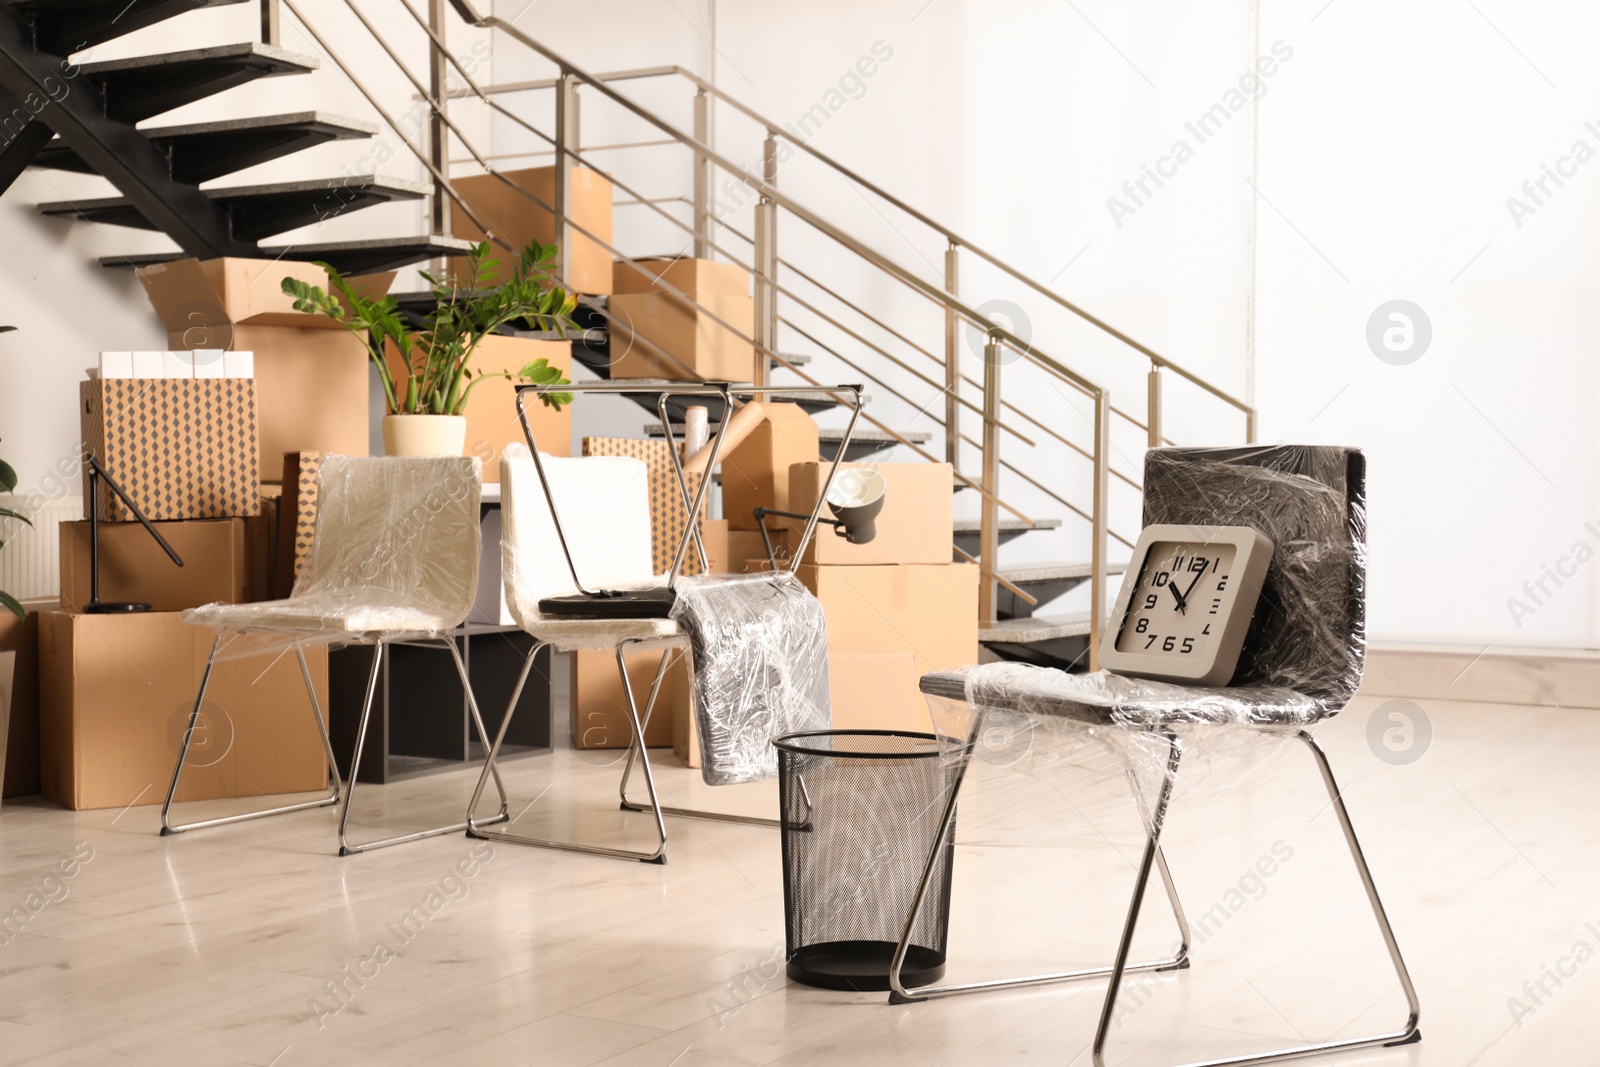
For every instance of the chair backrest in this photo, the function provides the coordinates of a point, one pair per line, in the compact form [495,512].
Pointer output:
[604,503]
[1309,631]
[399,532]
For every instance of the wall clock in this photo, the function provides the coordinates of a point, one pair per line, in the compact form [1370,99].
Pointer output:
[1186,604]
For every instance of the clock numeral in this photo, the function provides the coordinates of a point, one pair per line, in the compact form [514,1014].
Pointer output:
[1198,565]
[1144,624]
[1149,640]
[1160,579]
[1188,645]
[1151,600]
[1222,583]
[1206,631]
[1216,602]
[1167,643]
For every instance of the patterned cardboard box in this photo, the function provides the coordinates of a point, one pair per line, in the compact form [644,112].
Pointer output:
[180,448]
[297,517]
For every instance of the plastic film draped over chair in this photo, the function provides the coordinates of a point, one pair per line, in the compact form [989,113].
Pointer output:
[394,559]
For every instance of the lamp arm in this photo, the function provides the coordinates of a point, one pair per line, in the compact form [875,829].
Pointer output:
[98,471]
[766,539]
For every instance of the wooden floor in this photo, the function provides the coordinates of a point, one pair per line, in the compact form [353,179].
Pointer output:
[256,945]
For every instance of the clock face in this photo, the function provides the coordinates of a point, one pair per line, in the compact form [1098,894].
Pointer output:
[1174,610]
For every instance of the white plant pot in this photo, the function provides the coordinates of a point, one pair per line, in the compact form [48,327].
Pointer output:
[424,435]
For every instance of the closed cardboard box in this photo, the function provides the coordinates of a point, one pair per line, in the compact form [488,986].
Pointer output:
[491,409]
[876,691]
[756,474]
[745,549]
[116,692]
[21,745]
[669,514]
[599,710]
[699,346]
[691,276]
[220,563]
[297,519]
[916,524]
[180,448]
[311,372]
[516,218]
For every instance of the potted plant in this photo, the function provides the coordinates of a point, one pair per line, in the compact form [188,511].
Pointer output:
[427,371]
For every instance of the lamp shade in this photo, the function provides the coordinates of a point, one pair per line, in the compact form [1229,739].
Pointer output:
[856,498]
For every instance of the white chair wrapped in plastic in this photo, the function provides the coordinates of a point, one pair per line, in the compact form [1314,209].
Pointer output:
[590,517]
[395,558]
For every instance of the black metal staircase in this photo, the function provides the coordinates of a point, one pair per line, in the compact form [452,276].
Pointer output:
[83,117]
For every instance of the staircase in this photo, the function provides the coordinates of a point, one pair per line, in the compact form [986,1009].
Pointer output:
[806,325]
[90,126]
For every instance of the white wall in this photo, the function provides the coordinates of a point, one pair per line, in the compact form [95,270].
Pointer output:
[1391,149]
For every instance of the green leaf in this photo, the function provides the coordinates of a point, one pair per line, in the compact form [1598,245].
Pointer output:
[7,329]
[7,513]
[8,477]
[11,604]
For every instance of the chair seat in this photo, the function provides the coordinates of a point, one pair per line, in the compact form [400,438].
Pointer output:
[1104,698]
[320,614]
[567,635]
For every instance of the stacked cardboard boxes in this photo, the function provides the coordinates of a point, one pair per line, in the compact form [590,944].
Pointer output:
[647,317]
[515,215]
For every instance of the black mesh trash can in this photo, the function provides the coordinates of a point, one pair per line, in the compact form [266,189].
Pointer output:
[861,809]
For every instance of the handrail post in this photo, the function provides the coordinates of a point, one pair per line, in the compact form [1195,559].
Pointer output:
[952,359]
[766,264]
[704,238]
[1154,415]
[1097,548]
[989,524]
[270,31]
[1250,426]
[438,136]
[566,143]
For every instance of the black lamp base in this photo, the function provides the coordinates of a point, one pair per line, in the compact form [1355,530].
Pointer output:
[115,607]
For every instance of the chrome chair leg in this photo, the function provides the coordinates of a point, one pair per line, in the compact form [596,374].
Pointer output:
[638,742]
[1406,1035]
[168,827]
[475,827]
[899,994]
[348,849]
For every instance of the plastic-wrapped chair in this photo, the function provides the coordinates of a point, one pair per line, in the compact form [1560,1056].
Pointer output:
[596,545]
[1301,663]
[394,558]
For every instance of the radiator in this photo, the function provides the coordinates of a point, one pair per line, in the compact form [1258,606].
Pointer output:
[30,562]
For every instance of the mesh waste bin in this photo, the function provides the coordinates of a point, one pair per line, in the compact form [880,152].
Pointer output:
[861,809]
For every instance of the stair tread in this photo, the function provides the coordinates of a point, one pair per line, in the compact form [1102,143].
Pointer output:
[403,187]
[1034,629]
[836,433]
[656,385]
[1046,572]
[262,122]
[279,56]
[424,246]
[1006,525]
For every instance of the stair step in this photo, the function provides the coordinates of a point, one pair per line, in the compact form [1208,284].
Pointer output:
[865,442]
[62,27]
[206,150]
[1060,641]
[260,211]
[134,89]
[968,531]
[350,257]
[651,388]
[1045,582]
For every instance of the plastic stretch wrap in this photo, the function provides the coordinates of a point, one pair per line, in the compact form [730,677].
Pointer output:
[395,553]
[760,668]
[604,504]
[1301,661]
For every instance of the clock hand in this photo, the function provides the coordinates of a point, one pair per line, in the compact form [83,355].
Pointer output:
[1192,584]
[1183,603]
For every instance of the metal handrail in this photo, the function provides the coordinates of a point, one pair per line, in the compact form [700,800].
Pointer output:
[464,8]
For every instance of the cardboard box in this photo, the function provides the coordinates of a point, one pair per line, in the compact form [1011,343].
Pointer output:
[181,449]
[516,219]
[745,550]
[877,691]
[692,276]
[312,378]
[714,536]
[600,711]
[491,409]
[756,474]
[297,518]
[702,347]
[685,728]
[115,700]
[21,736]
[916,524]
[8,665]
[219,563]
[927,612]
